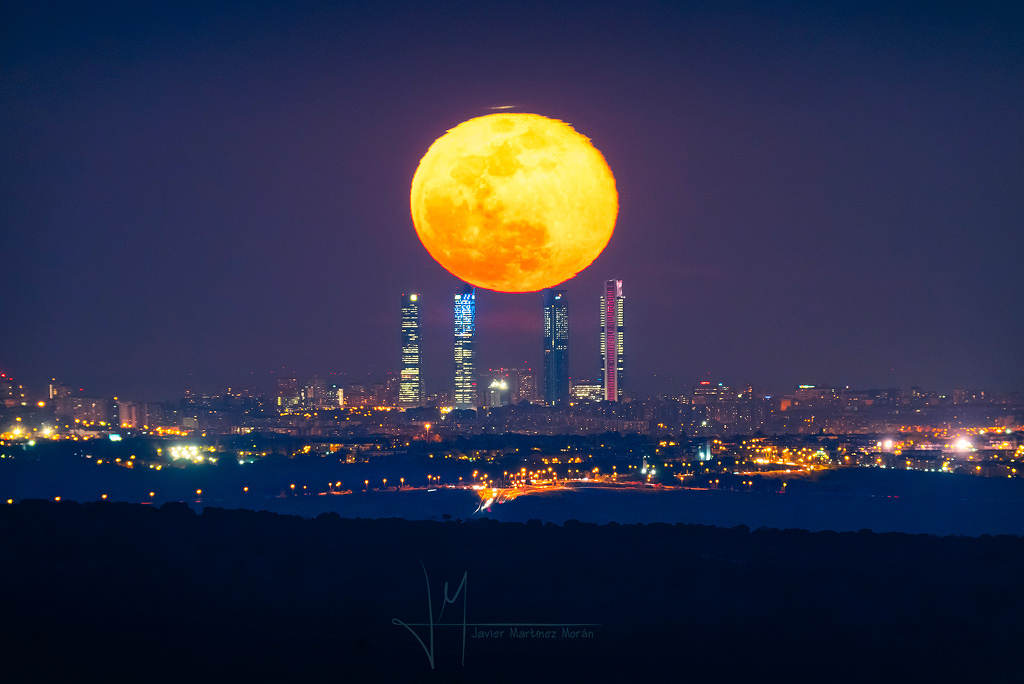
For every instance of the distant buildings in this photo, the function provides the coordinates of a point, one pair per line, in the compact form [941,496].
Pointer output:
[92,411]
[967,396]
[524,384]
[137,415]
[60,396]
[497,392]
[613,331]
[708,393]
[11,393]
[317,395]
[718,408]
[521,384]
[465,349]
[287,395]
[410,388]
[556,346]
[588,391]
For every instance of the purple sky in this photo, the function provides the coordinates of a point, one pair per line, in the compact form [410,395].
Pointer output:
[829,194]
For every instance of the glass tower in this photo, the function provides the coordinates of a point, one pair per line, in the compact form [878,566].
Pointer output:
[556,346]
[613,332]
[410,383]
[465,351]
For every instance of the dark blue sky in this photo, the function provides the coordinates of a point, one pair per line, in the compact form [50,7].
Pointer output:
[809,193]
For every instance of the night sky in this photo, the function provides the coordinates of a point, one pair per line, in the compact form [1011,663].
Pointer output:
[205,193]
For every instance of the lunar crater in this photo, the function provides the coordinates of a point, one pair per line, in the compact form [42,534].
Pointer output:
[514,202]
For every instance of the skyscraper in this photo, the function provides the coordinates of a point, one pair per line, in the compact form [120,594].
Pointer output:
[613,330]
[410,387]
[556,346]
[465,351]
[287,393]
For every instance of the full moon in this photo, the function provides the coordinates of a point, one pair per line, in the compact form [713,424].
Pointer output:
[514,202]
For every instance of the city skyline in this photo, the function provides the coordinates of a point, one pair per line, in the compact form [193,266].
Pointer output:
[286,316]
[554,334]
[553,331]
[820,194]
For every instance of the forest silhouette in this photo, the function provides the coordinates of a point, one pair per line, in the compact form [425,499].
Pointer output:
[130,591]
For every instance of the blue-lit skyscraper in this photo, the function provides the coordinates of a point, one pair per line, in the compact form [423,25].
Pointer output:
[410,383]
[556,346]
[465,348]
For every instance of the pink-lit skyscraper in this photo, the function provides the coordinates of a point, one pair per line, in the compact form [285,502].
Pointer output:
[613,329]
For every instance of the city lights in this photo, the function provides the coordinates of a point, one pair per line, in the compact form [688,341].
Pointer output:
[186,453]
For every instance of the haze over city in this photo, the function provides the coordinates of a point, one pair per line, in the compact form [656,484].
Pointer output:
[198,196]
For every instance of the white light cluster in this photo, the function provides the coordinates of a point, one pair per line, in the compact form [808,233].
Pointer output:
[189,453]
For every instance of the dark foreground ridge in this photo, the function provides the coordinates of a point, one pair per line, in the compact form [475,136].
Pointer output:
[134,592]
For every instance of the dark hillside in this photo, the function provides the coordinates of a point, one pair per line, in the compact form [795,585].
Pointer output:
[131,592]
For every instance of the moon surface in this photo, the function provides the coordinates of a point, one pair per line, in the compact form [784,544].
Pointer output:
[514,202]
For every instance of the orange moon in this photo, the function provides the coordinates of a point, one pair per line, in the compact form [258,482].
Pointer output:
[514,202]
